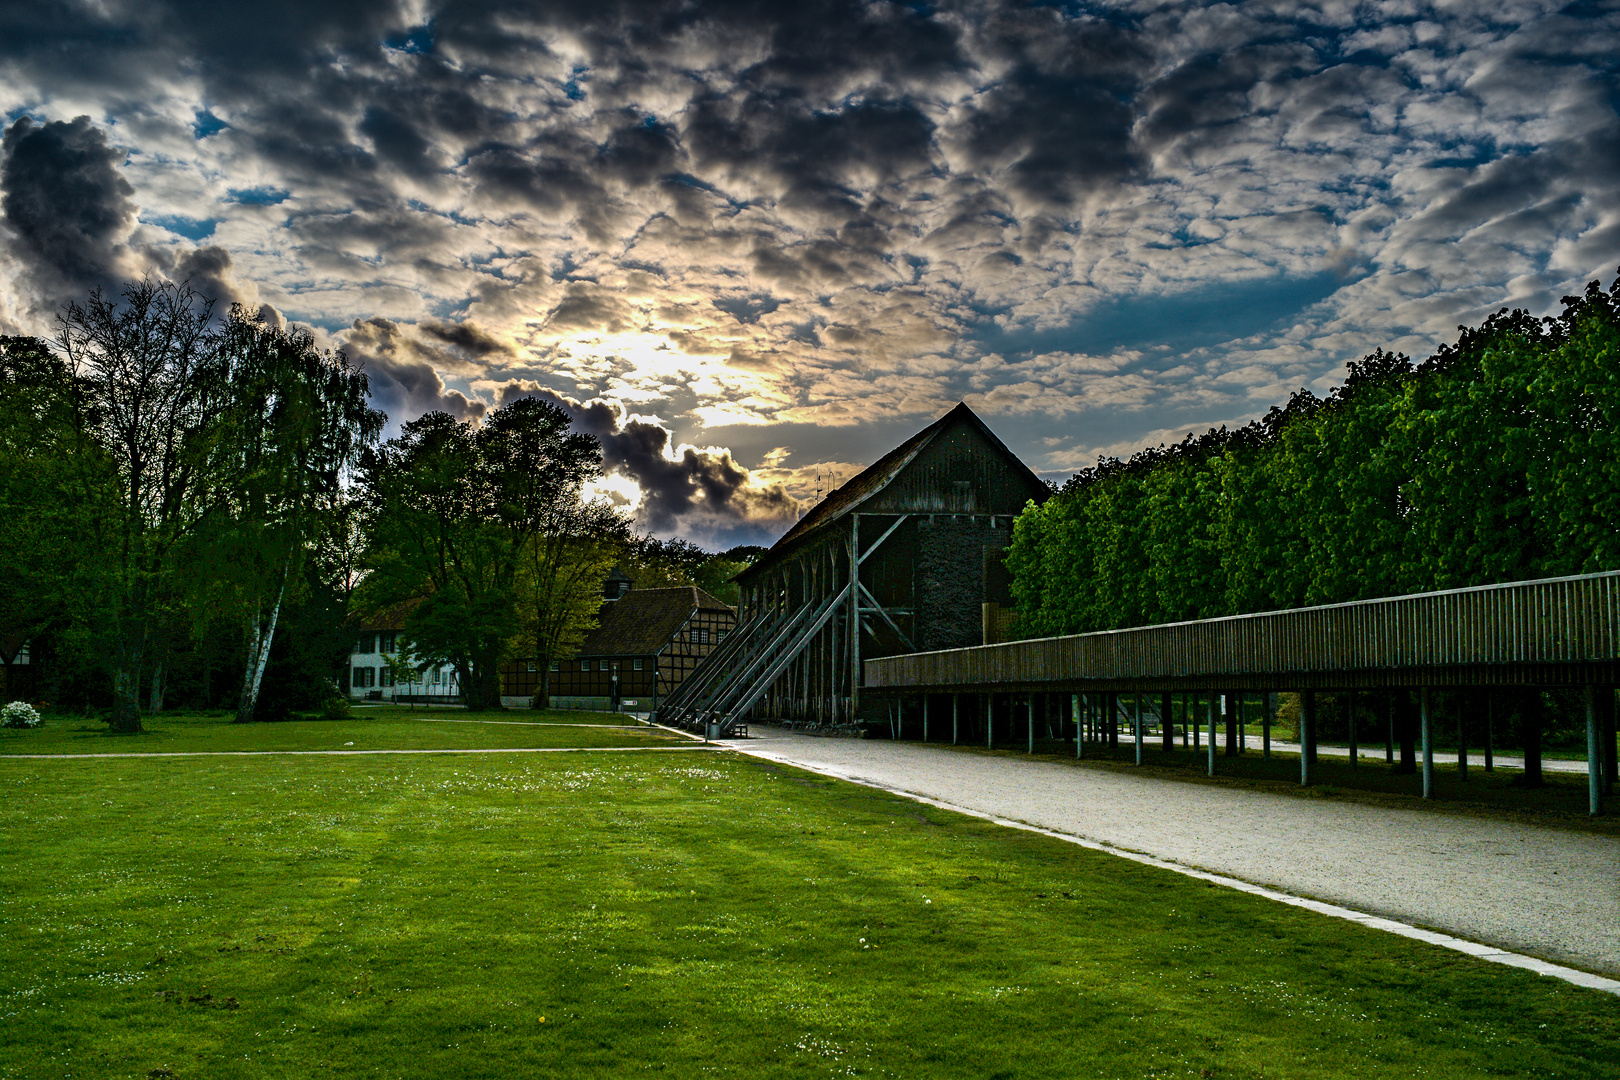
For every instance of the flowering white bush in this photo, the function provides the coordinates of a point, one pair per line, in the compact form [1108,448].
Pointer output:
[19,714]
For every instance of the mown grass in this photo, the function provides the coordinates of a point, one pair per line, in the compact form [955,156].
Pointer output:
[386,728]
[679,914]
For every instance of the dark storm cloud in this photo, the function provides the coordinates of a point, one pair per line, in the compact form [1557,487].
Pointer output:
[1213,92]
[208,270]
[68,208]
[1059,119]
[694,490]
[470,339]
[588,195]
[404,383]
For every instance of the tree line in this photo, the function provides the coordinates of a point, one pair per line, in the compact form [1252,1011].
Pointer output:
[201,509]
[1496,459]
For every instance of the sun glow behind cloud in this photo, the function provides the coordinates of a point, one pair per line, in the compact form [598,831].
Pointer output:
[721,232]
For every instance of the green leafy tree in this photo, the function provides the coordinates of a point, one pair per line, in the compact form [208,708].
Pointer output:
[295,423]
[560,583]
[150,391]
[56,489]
[460,520]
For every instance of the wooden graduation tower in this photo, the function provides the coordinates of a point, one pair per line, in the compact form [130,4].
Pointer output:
[903,558]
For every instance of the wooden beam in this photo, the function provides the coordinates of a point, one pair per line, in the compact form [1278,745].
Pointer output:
[877,609]
[899,522]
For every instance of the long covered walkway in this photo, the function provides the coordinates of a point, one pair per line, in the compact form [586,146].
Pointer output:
[1556,632]
[1548,892]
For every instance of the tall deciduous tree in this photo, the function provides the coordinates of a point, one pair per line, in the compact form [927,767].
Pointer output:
[467,521]
[297,420]
[55,498]
[150,391]
[1497,459]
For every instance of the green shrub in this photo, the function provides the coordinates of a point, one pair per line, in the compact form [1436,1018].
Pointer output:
[335,708]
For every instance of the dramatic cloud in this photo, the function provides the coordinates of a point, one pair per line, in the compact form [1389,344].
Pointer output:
[66,205]
[701,492]
[793,234]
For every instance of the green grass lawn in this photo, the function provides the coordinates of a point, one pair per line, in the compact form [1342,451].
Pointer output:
[384,728]
[686,914]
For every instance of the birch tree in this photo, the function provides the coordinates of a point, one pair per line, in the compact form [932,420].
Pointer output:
[296,422]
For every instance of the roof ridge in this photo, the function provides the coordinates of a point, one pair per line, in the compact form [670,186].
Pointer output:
[893,462]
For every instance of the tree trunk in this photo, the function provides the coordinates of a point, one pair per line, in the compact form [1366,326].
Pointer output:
[542,694]
[1530,736]
[1406,731]
[126,714]
[154,700]
[260,635]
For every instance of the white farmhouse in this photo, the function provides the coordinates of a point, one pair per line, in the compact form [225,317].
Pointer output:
[372,678]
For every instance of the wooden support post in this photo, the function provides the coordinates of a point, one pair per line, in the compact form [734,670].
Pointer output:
[1188,722]
[853,605]
[1389,736]
[1192,720]
[1606,698]
[1462,746]
[1212,697]
[926,701]
[1428,742]
[1167,724]
[1139,727]
[1594,754]
[1229,706]
[956,717]
[1265,725]
[989,721]
[1079,731]
[1350,711]
[1307,735]
[1490,733]
[1029,713]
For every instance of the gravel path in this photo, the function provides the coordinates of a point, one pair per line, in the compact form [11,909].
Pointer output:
[1547,892]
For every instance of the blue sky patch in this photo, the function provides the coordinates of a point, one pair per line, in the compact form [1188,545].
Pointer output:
[258,196]
[207,124]
[190,228]
[1210,315]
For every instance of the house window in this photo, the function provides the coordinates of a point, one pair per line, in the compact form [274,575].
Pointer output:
[531,666]
[359,678]
[387,641]
[635,665]
[584,665]
[385,677]
[555,666]
[366,644]
[601,665]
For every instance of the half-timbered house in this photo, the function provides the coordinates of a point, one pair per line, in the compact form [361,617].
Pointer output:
[646,643]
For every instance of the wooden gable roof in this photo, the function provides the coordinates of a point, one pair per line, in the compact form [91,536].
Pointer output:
[924,474]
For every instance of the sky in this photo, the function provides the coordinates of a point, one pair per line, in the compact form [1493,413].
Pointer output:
[752,246]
